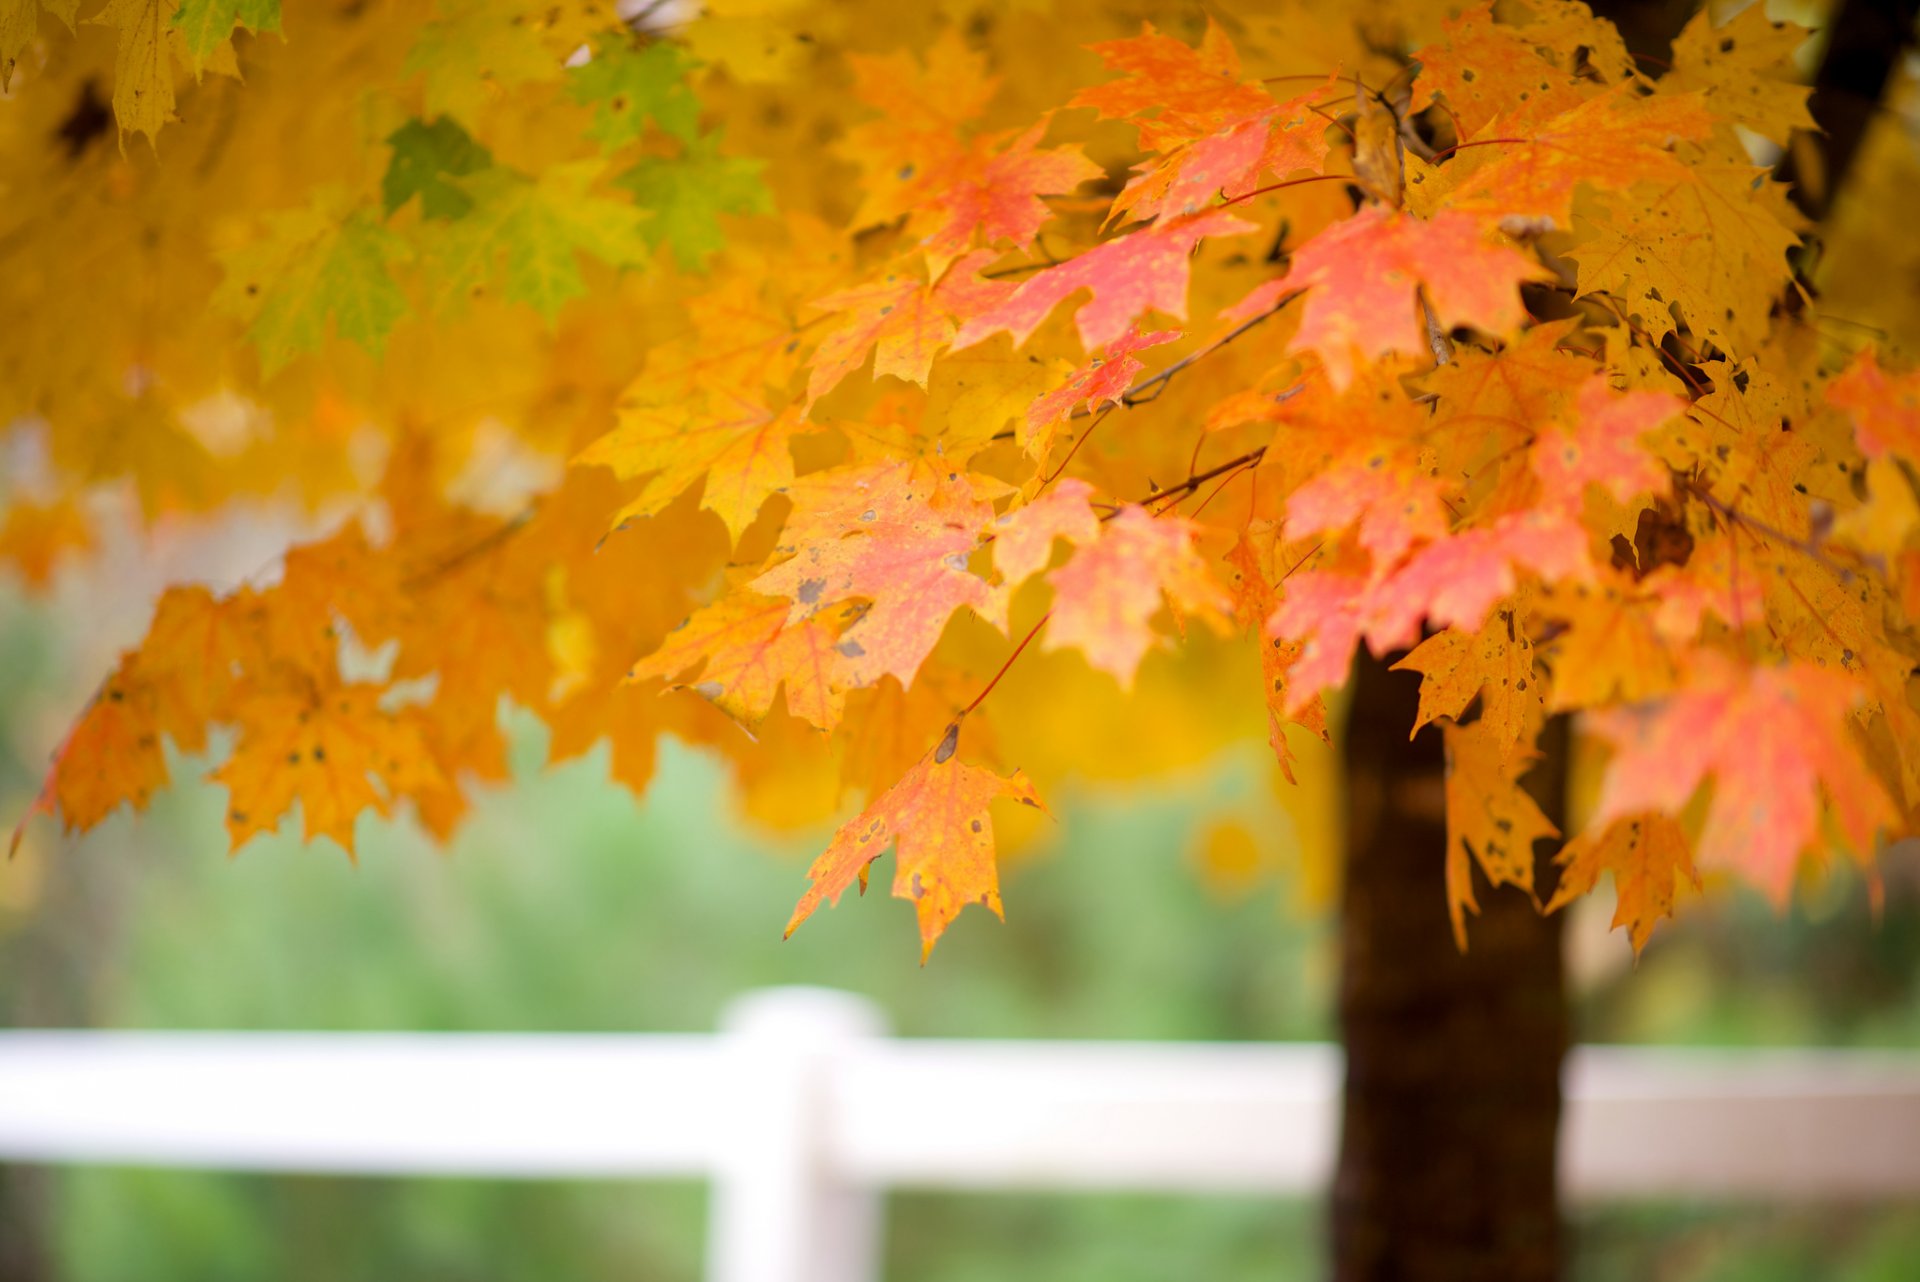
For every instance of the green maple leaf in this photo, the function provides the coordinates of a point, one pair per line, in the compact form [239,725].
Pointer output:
[685,197]
[204,25]
[324,265]
[539,227]
[473,48]
[629,85]
[425,156]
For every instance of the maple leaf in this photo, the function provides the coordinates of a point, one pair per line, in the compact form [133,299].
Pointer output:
[1648,857]
[1106,595]
[1885,409]
[177,681]
[333,750]
[1174,92]
[972,395]
[1394,502]
[994,195]
[1477,66]
[1323,616]
[1362,276]
[424,157]
[1023,539]
[1102,380]
[630,85]
[1455,581]
[142,64]
[739,446]
[1603,446]
[744,647]
[1490,819]
[1711,582]
[19,20]
[873,534]
[1613,648]
[538,227]
[898,318]
[1713,242]
[937,819]
[1744,69]
[1771,739]
[926,107]
[1254,601]
[1494,665]
[473,50]
[1609,143]
[1734,438]
[205,25]
[35,536]
[1278,139]
[1127,276]
[1451,582]
[111,755]
[1515,390]
[685,196]
[311,271]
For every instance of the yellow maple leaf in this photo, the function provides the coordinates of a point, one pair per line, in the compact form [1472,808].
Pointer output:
[1491,820]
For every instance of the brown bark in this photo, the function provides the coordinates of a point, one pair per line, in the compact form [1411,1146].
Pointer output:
[1452,1101]
[1865,41]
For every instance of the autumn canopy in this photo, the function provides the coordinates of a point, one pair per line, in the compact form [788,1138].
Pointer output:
[961,400]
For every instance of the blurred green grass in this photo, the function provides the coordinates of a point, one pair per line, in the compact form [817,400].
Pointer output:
[567,904]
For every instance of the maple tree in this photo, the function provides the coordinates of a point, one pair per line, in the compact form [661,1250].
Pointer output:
[855,364]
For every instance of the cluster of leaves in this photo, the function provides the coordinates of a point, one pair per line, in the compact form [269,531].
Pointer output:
[1310,328]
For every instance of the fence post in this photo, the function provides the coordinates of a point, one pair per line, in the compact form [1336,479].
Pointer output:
[779,1211]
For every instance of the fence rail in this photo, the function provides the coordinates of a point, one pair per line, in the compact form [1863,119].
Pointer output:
[801,1111]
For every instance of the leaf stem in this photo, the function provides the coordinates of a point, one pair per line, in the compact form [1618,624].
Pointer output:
[1026,640]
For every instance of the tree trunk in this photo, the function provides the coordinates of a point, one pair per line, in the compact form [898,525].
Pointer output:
[1865,41]
[1453,1060]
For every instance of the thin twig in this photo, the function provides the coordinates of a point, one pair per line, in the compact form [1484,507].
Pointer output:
[1137,394]
[1754,525]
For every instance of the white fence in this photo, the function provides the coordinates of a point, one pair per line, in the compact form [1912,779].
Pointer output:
[801,1112]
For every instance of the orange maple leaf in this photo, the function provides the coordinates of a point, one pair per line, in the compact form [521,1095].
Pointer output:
[1102,380]
[1128,275]
[1023,538]
[334,750]
[1885,408]
[1254,601]
[874,533]
[903,321]
[1603,445]
[1480,67]
[994,194]
[1451,583]
[1490,818]
[1379,488]
[1608,143]
[745,648]
[1173,91]
[1106,595]
[1277,139]
[34,536]
[1649,857]
[1362,276]
[1771,738]
[937,819]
